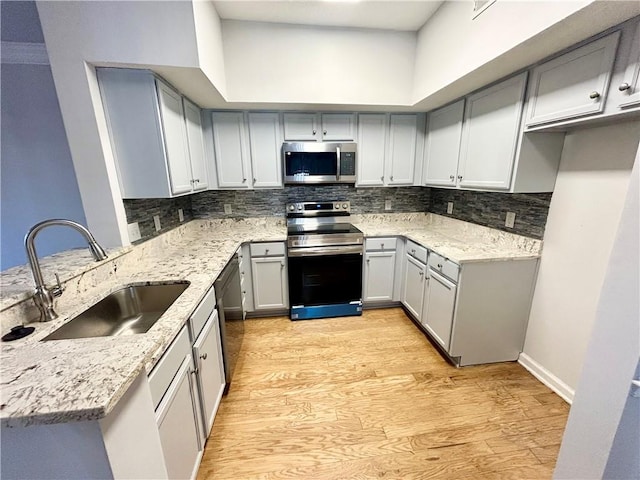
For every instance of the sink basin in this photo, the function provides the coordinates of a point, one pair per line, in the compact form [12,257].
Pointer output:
[131,309]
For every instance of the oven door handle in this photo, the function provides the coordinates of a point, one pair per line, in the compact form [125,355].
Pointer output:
[318,251]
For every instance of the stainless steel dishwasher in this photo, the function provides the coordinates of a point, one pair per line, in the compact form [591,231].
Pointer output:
[229,304]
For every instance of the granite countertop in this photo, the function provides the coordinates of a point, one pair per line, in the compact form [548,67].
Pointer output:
[83,379]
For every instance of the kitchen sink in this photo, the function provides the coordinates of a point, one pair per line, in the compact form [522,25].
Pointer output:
[129,310]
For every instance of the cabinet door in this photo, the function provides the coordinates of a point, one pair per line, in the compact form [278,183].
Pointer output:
[208,354]
[628,92]
[379,268]
[443,145]
[439,302]
[401,153]
[265,141]
[338,126]
[175,138]
[269,282]
[414,286]
[372,131]
[573,84]
[301,126]
[193,120]
[177,423]
[229,143]
[490,135]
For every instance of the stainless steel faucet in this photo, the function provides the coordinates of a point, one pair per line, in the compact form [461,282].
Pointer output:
[43,297]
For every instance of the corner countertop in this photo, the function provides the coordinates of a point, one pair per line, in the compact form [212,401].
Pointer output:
[83,379]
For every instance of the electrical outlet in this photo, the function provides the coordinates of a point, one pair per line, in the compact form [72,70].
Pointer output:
[449,207]
[227,208]
[134,231]
[156,222]
[180,215]
[387,204]
[510,220]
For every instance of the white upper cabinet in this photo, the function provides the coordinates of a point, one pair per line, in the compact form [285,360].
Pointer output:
[265,139]
[338,127]
[401,149]
[372,131]
[193,118]
[229,143]
[627,92]
[443,145]
[490,135]
[574,84]
[148,127]
[318,127]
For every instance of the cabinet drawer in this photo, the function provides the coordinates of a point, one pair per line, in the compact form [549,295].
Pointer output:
[272,249]
[388,243]
[417,251]
[444,266]
[202,312]
[161,376]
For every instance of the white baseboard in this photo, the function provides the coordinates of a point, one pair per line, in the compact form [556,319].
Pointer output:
[549,379]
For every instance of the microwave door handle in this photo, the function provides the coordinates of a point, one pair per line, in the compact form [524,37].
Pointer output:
[337,164]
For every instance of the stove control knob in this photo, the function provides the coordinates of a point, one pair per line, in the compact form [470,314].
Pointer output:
[292,208]
[345,206]
[299,207]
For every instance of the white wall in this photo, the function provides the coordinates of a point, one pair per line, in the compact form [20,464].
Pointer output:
[456,54]
[300,64]
[583,219]
[107,32]
[602,404]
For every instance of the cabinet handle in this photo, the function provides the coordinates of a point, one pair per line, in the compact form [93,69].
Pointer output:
[452,177]
[197,180]
[392,178]
[459,177]
[624,86]
[244,180]
[439,265]
[254,180]
[193,372]
[421,274]
[382,246]
[203,356]
[382,179]
[266,251]
[594,95]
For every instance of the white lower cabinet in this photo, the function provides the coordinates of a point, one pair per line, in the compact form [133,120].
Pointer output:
[207,350]
[414,285]
[439,304]
[178,424]
[269,276]
[379,270]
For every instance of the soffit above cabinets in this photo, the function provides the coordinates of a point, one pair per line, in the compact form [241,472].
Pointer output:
[387,15]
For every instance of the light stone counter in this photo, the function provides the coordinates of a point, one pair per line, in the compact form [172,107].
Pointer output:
[83,379]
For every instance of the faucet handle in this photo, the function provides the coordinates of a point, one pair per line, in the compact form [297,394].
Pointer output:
[57,290]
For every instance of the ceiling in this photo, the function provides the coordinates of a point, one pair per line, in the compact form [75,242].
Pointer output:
[388,15]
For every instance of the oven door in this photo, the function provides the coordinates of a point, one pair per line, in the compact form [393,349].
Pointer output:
[325,281]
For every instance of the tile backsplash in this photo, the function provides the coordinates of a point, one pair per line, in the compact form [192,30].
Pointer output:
[490,209]
[256,203]
[483,208]
[143,211]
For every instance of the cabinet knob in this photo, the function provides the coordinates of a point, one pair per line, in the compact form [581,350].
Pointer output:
[266,251]
[421,274]
[413,250]
[439,265]
[392,178]
[452,177]
[324,132]
[382,179]
[624,86]
[244,180]
[382,246]
[281,265]
[203,356]
[254,180]
[193,372]
[594,95]
[197,180]
[368,260]
[459,177]
[314,132]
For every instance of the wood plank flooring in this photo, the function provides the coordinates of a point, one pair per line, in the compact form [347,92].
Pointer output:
[370,397]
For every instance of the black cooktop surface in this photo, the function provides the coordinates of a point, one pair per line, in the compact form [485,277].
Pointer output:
[322,229]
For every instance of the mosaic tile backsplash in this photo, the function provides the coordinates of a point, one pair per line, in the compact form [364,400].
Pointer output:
[256,203]
[483,208]
[143,211]
[490,209]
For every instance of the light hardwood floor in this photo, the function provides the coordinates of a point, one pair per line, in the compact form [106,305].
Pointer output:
[370,397]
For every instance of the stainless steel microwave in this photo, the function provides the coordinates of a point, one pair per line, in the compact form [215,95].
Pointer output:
[319,162]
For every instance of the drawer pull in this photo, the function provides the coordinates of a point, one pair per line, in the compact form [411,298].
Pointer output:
[624,86]
[203,356]
[593,95]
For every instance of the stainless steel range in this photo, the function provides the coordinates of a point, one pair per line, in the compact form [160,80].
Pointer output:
[325,260]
